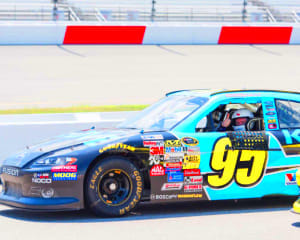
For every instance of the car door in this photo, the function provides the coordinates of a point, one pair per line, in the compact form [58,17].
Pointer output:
[233,164]
[282,119]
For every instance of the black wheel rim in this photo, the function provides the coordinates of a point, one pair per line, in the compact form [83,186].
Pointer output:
[115,187]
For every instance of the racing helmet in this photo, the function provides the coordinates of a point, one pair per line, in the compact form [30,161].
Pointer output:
[240,118]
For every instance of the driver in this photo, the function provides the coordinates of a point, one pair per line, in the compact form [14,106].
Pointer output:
[238,121]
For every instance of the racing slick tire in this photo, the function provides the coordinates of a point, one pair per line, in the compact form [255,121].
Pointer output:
[114,187]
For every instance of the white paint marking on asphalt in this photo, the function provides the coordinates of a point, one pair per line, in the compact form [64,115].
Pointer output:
[87,117]
[57,122]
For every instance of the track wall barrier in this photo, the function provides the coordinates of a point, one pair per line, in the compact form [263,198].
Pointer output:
[52,33]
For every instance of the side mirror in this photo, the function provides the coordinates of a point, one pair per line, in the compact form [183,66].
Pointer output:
[202,124]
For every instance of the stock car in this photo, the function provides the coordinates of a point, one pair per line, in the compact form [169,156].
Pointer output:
[296,207]
[173,151]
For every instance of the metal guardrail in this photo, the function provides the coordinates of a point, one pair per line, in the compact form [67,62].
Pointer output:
[211,13]
[35,12]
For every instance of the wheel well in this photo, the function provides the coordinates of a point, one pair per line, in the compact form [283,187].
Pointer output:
[132,158]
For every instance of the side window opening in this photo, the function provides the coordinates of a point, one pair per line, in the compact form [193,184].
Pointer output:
[288,113]
[226,118]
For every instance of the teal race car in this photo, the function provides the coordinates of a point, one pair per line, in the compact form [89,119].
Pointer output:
[192,145]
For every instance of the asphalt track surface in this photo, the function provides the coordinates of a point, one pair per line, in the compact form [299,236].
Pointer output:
[43,76]
[249,220]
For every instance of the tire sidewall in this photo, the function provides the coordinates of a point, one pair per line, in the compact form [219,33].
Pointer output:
[96,204]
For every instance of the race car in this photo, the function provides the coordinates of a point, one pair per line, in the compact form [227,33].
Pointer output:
[296,206]
[192,145]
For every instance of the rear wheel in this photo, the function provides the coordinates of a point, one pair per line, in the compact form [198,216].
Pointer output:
[114,187]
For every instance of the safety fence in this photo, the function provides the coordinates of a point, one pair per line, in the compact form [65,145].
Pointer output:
[108,11]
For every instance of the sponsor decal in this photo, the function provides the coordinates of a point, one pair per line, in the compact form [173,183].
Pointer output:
[157,170]
[270,113]
[191,172]
[42,178]
[172,170]
[66,168]
[11,171]
[157,150]
[172,186]
[180,196]
[268,102]
[272,126]
[155,159]
[64,176]
[290,179]
[41,175]
[190,141]
[173,143]
[42,181]
[118,146]
[269,106]
[193,180]
[193,188]
[177,155]
[152,143]
[191,162]
[192,150]
[175,177]
[153,137]
[173,159]
[272,120]
[163,197]
[291,136]
[174,165]
[173,149]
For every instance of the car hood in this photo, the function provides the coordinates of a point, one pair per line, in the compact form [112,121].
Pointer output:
[88,137]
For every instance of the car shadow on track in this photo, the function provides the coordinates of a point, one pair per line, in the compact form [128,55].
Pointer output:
[146,211]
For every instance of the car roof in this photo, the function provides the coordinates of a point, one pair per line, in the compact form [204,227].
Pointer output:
[237,93]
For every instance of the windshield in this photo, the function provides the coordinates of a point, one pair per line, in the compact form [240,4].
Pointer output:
[165,114]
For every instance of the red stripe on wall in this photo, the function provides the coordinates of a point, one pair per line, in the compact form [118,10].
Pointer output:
[255,35]
[104,34]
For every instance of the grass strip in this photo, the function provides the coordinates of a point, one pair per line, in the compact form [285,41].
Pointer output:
[74,109]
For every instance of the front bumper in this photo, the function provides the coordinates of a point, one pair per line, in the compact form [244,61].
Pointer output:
[22,189]
[40,204]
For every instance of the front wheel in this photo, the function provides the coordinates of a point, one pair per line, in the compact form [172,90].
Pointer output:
[114,187]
